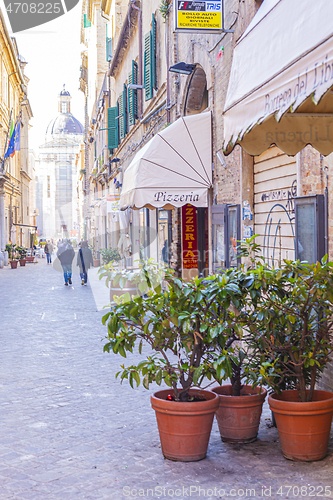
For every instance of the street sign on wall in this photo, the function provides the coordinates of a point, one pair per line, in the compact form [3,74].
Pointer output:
[189,237]
[198,16]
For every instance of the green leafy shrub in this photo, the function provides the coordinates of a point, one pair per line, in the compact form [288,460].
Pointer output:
[109,255]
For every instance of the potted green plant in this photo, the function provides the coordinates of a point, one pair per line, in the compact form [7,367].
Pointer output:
[290,332]
[11,248]
[22,255]
[96,261]
[125,284]
[109,255]
[178,324]
[241,401]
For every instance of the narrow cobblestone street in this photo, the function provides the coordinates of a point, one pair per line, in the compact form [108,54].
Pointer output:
[69,430]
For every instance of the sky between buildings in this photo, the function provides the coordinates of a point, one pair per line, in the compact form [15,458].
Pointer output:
[52,51]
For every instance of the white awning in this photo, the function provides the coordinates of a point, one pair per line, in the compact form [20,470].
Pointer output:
[173,168]
[281,73]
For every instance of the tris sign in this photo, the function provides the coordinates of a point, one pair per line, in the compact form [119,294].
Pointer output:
[198,16]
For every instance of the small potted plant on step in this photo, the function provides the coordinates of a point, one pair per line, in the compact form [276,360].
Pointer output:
[22,255]
[290,331]
[12,254]
[178,325]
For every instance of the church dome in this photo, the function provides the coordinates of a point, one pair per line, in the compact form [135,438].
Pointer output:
[64,123]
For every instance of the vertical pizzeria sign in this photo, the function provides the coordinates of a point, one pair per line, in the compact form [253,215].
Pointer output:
[190,241]
[198,16]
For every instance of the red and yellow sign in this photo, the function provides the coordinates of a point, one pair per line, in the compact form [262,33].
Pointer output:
[190,241]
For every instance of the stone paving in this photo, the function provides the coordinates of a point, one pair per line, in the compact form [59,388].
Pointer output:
[69,430]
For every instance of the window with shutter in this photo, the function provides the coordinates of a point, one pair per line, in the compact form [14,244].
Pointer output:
[154,53]
[133,95]
[125,110]
[108,46]
[122,103]
[148,82]
[113,128]
[121,116]
[86,22]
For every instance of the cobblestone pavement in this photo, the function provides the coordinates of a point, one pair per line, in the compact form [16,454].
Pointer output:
[69,430]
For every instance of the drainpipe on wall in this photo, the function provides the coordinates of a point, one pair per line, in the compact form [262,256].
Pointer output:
[168,74]
[325,171]
[140,56]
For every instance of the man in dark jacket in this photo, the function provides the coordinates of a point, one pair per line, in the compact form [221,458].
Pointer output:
[84,261]
[48,251]
[66,255]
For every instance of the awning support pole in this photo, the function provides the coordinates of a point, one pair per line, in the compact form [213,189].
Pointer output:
[210,235]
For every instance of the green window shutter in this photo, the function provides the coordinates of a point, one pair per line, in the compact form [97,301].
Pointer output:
[154,52]
[86,22]
[113,128]
[125,109]
[109,49]
[133,95]
[108,46]
[121,116]
[148,82]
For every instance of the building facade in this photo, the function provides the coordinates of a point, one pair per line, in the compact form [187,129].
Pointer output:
[56,174]
[16,212]
[270,178]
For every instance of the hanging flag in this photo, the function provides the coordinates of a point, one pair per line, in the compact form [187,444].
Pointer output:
[17,140]
[11,146]
[220,52]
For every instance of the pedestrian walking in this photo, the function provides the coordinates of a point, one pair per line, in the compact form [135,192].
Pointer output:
[66,255]
[48,251]
[84,261]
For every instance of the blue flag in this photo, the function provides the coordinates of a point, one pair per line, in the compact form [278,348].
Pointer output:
[11,146]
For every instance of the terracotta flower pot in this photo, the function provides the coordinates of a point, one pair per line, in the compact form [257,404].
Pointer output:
[96,262]
[13,264]
[22,262]
[238,417]
[184,428]
[30,259]
[129,287]
[304,428]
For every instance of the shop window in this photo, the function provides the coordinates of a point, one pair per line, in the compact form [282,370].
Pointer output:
[164,235]
[310,228]
[144,234]
[226,236]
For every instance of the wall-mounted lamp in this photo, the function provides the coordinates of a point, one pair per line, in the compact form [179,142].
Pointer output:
[182,68]
[221,159]
[134,86]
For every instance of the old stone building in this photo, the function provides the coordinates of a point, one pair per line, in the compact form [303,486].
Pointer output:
[16,212]
[269,145]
